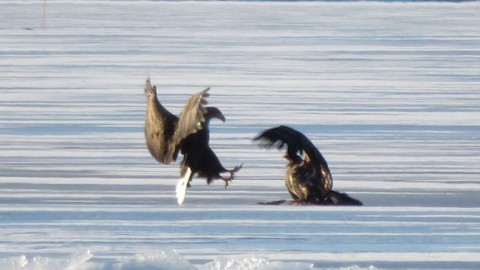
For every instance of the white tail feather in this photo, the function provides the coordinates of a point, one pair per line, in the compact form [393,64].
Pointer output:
[181,190]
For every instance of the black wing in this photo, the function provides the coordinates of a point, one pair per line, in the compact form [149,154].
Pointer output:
[296,142]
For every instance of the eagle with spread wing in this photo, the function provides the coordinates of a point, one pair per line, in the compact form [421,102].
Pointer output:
[166,135]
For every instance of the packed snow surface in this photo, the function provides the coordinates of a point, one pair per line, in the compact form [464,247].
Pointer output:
[388,91]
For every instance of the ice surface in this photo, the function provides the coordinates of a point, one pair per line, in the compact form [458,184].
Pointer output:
[160,260]
[388,92]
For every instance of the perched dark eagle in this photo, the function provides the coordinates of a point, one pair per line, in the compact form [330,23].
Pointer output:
[308,177]
[167,134]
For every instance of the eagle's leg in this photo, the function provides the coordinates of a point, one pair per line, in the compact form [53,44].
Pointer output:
[232,174]
[182,184]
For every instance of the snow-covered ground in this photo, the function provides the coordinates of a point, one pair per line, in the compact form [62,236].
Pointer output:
[389,92]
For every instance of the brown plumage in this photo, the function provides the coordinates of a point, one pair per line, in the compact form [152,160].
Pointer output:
[166,134]
[164,131]
[308,177]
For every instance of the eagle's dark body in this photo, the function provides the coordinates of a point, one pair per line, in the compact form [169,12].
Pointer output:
[308,177]
[199,157]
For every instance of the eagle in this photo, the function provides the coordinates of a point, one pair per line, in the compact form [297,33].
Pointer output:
[308,178]
[166,135]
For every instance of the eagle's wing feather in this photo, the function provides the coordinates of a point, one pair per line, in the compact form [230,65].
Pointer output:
[159,127]
[190,119]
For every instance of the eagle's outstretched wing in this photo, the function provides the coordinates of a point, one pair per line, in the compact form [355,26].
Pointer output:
[189,121]
[296,143]
[159,126]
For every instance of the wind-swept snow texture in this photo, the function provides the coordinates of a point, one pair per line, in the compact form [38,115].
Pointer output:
[389,93]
